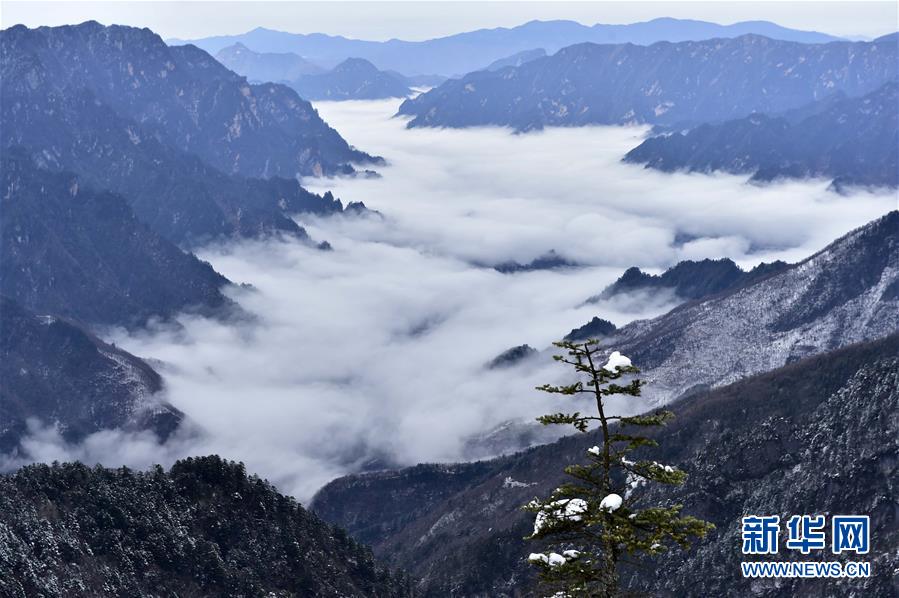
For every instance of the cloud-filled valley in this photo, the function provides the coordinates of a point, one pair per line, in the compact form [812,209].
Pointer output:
[374,353]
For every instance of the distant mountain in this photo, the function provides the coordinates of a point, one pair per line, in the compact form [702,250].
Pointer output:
[512,356]
[469,51]
[70,250]
[596,328]
[846,293]
[65,125]
[204,528]
[689,280]
[854,141]
[817,436]
[60,374]
[352,79]
[664,83]
[179,95]
[550,260]
[517,59]
[261,67]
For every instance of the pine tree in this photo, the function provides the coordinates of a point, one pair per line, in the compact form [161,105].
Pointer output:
[595,521]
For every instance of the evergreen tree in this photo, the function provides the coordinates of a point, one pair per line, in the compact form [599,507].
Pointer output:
[595,521]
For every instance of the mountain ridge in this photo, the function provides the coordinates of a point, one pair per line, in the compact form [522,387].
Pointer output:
[664,83]
[57,374]
[276,67]
[689,280]
[352,79]
[846,293]
[850,140]
[468,51]
[174,191]
[186,98]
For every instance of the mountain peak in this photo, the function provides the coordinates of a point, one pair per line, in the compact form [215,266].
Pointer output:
[355,65]
[352,79]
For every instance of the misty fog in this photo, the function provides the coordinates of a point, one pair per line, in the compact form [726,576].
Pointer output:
[374,353]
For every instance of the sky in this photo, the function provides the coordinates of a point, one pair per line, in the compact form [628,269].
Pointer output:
[423,20]
[375,353]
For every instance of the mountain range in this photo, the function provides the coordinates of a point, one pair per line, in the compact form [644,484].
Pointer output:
[689,280]
[729,323]
[180,95]
[196,151]
[203,528]
[118,153]
[846,293]
[664,83]
[121,153]
[796,365]
[854,141]
[473,50]
[816,436]
[352,79]
[259,67]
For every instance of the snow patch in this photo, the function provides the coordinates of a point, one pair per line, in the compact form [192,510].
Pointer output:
[566,509]
[616,360]
[512,483]
[611,503]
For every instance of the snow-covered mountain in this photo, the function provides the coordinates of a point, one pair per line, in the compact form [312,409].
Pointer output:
[846,293]
[59,374]
[203,528]
[817,436]
[784,392]
[688,280]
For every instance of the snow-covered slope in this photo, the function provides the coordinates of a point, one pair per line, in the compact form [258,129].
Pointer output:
[846,293]
[203,528]
[817,436]
[58,374]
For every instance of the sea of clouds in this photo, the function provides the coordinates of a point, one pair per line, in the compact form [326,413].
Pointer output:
[374,354]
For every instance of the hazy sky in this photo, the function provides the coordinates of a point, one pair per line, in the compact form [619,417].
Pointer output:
[423,20]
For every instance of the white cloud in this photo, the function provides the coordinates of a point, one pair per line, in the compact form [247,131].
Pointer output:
[374,353]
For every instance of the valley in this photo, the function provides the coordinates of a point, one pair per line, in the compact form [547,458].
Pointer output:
[281,311]
[373,354]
